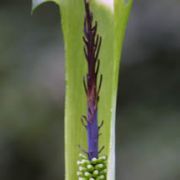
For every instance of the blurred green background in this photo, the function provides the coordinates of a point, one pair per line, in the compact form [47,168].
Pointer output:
[32,93]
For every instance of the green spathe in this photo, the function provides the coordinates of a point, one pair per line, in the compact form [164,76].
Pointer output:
[111,26]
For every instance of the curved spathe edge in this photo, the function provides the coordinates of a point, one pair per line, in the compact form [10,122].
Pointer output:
[37,3]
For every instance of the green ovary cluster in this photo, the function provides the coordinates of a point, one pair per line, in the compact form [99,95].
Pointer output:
[95,169]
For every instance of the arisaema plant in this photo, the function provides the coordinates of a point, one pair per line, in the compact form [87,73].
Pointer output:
[93,36]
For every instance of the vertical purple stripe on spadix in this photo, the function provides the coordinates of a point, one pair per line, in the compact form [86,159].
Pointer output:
[92,130]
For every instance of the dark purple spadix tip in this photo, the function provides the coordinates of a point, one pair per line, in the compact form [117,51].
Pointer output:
[92,86]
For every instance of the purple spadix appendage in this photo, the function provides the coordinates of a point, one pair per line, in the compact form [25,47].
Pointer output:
[92,44]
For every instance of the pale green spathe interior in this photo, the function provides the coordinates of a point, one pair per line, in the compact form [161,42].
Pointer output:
[111,26]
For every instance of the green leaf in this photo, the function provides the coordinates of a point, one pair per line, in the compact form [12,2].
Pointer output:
[112,21]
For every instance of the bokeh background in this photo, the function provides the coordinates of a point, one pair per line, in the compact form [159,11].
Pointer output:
[32,93]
